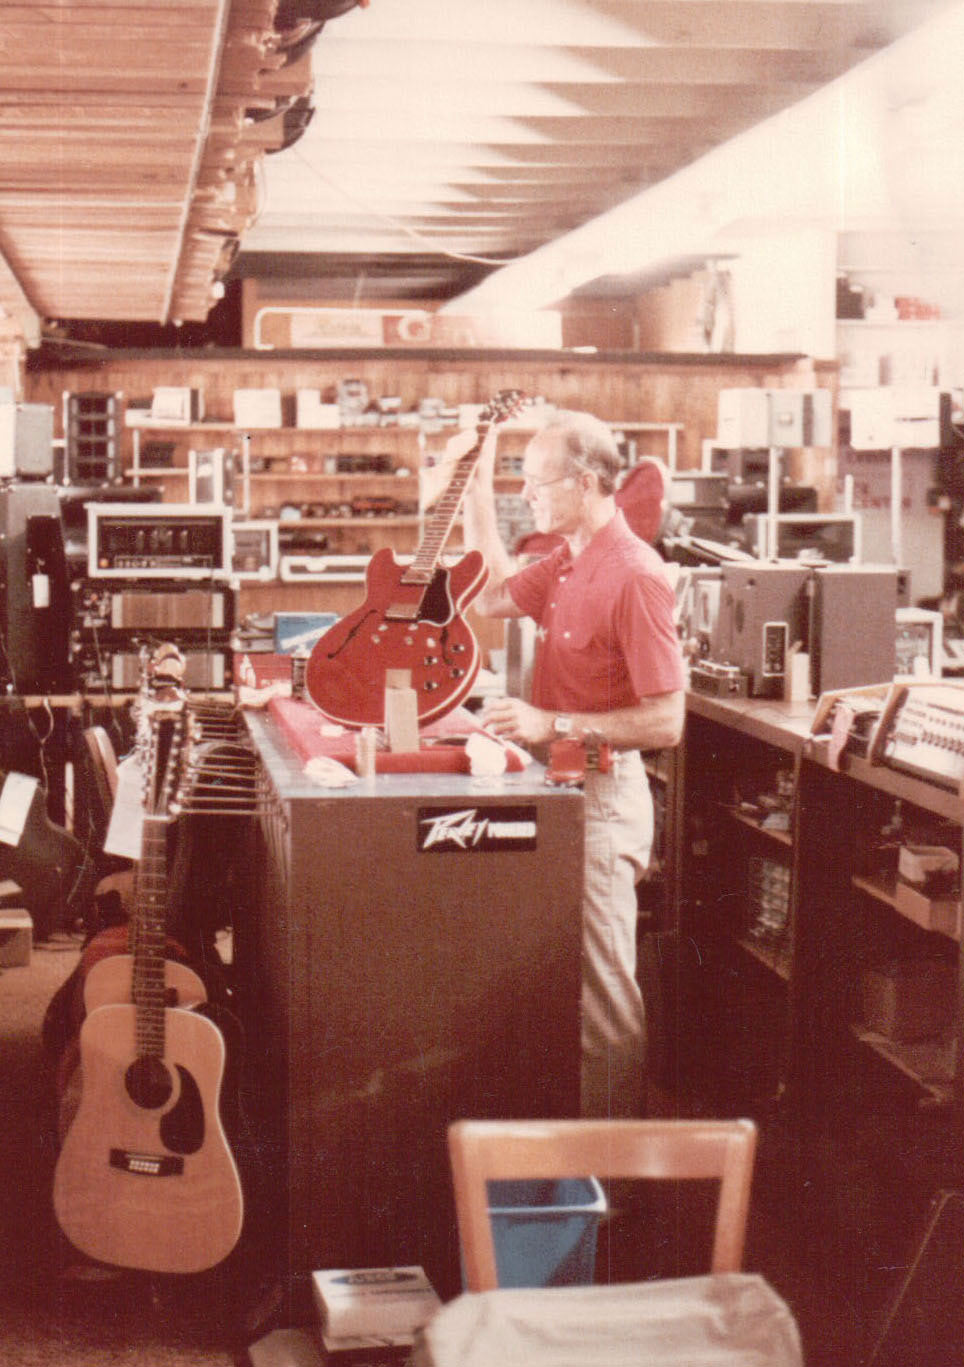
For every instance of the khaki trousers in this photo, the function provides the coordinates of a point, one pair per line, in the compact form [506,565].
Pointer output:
[618,839]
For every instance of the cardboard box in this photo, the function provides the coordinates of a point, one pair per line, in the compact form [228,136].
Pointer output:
[941,913]
[312,412]
[16,937]
[372,1303]
[295,631]
[257,408]
[909,999]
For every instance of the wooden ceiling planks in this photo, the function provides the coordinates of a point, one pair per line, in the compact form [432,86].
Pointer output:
[127,166]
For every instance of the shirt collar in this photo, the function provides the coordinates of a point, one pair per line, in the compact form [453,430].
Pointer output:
[601,543]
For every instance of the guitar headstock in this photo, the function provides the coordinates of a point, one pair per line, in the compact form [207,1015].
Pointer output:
[504,405]
[165,741]
[160,714]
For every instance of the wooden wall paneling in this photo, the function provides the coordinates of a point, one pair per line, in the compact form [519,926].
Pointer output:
[664,389]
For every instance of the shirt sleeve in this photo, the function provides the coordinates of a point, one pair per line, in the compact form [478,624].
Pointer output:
[643,619]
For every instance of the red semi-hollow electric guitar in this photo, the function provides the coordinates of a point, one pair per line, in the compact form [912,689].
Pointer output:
[411,619]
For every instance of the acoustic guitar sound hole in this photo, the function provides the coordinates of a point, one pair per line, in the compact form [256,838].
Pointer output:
[148,1083]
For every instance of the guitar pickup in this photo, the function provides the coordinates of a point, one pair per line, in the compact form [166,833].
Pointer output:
[403,612]
[147,1164]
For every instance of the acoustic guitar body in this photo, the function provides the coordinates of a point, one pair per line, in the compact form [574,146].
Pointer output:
[112,980]
[145,1178]
[415,627]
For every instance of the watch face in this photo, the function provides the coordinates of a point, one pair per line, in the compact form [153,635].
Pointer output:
[562,726]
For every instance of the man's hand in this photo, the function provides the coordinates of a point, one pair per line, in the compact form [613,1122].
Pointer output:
[513,719]
[437,478]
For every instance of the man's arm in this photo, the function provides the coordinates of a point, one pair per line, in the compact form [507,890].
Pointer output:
[653,723]
[480,532]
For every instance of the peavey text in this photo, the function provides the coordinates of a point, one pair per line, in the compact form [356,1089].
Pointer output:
[460,830]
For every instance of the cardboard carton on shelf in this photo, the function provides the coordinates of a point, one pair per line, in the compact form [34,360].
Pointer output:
[927,888]
[909,999]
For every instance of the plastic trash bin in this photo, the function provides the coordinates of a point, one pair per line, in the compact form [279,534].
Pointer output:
[545,1232]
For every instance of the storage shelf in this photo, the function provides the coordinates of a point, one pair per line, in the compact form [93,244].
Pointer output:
[781,837]
[876,888]
[284,522]
[355,430]
[929,1062]
[308,476]
[172,471]
[774,957]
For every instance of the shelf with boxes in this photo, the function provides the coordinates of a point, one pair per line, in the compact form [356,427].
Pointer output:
[900,940]
[825,905]
[737,814]
[344,490]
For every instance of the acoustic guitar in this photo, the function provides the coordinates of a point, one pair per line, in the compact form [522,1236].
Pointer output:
[110,977]
[145,1178]
[411,620]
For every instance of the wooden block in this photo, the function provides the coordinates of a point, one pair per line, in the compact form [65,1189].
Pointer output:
[11,894]
[401,719]
[16,937]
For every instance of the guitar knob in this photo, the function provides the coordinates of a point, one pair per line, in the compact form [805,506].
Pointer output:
[457,673]
[429,686]
[430,660]
[457,648]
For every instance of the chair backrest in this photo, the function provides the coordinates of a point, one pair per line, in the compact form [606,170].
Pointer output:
[97,780]
[103,759]
[483,1151]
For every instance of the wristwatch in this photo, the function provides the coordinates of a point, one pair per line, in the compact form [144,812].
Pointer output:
[562,726]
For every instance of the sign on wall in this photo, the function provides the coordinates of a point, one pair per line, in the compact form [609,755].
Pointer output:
[296,326]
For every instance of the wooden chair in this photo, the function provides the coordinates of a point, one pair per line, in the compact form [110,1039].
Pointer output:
[483,1151]
[101,772]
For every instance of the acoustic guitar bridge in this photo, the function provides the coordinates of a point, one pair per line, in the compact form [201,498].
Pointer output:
[147,1164]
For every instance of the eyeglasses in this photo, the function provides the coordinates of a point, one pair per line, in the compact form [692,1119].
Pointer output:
[543,483]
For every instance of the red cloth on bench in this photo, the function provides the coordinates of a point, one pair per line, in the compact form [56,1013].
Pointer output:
[302,726]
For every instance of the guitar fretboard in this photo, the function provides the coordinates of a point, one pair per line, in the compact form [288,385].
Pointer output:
[150,942]
[440,525]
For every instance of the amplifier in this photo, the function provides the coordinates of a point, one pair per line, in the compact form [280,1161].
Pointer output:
[108,669]
[158,541]
[113,620]
[168,608]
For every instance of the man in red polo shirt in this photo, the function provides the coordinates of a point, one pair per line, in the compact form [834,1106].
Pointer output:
[608,668]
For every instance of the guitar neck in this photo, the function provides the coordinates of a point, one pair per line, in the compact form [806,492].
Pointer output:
[442,521]
[150,937]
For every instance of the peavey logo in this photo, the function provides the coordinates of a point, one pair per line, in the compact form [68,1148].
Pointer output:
[476,828]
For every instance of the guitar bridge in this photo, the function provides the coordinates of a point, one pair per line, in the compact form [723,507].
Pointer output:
[147,1164]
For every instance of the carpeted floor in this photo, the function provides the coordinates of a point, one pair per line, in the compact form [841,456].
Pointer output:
[53,1311]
